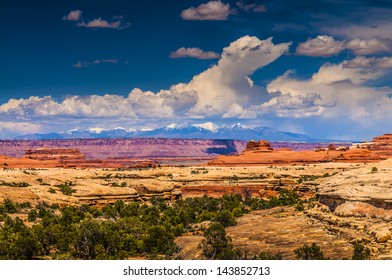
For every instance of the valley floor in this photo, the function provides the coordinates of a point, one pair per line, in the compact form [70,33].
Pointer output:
[356,201]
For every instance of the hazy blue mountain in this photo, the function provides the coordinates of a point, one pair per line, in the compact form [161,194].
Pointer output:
[207,130]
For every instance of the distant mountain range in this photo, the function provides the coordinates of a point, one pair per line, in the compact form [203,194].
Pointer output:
[206,130]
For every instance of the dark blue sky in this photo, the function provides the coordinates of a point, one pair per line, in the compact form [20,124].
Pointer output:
[41,54]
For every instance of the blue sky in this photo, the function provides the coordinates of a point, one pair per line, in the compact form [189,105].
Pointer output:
[81,64]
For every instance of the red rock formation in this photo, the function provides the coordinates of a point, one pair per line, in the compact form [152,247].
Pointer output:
[258,146]
[380,145]
[54,154]
[261,153]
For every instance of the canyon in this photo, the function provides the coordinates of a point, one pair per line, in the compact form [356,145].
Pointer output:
[346,190]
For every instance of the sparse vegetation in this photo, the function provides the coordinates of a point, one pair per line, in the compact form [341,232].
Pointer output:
[66,188]
[309,252]
[52,190]
[216,245]
[15,184]
[361,252]
[119,230]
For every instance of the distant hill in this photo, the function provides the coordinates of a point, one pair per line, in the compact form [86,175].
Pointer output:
[207,130]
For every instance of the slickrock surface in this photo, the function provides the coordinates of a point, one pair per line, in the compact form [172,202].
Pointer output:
[368,183]
[354,216]
[92,186]
[99,186]
[281,230]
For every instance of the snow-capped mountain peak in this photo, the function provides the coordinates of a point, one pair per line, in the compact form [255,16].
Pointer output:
[96,130]
[172,126]
[207,126]
[237,126]
[207,130]
[71,131]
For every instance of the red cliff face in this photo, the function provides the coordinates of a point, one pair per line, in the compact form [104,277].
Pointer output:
[128,148]
[380,145]
[54,154]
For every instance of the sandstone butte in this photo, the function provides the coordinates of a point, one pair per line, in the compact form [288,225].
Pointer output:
[261,153]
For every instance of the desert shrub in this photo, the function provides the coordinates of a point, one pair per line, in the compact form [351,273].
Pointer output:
[32,216]
[87,239]
[309,252]
[9,206]
[374,170]
[226,218]
[51,190]
[361,252]
[66,188]
[15,184]
[217,245]
[238,212]
[159,240]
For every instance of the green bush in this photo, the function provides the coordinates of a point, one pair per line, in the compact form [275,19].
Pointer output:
[309,252]
[32,216]
[226,218]
[217,245]
[66,189]
[361,252]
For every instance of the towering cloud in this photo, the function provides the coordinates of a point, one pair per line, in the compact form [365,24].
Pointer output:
[224,89]
[337,92]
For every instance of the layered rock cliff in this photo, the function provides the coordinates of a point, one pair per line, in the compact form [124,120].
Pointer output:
[54,154]
[128,148]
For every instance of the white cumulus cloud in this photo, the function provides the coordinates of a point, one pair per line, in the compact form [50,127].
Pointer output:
[336,93]
[101,23]
[73,15]
[368,46]
[213,10]
[322,45]
[225,89]
[194,52]
[375,63]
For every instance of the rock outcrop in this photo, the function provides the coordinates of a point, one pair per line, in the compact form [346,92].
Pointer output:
[380,145]
[261,152]
[54,154]
[258,146]
[363,190]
